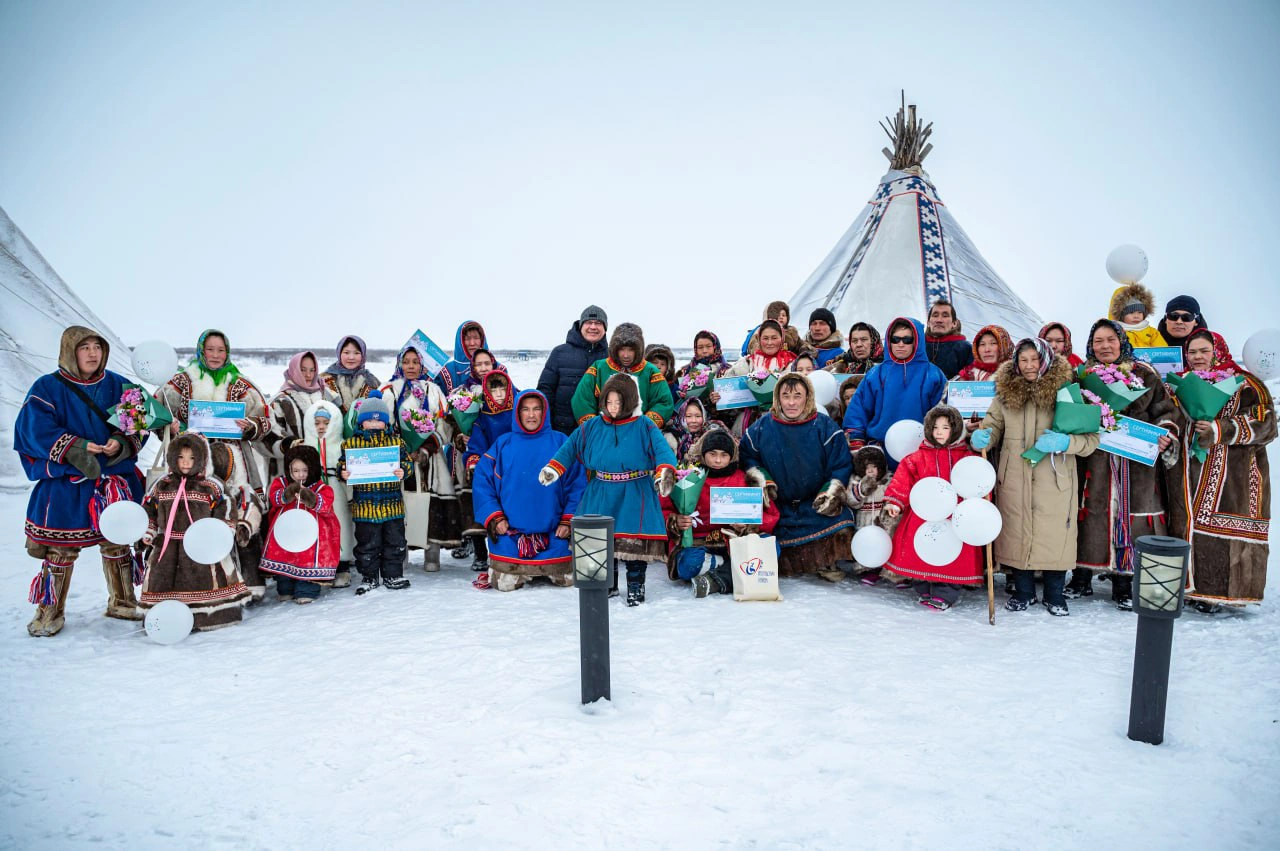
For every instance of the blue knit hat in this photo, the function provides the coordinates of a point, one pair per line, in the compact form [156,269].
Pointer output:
[366,411]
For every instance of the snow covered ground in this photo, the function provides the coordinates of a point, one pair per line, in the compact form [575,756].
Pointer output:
[444,717]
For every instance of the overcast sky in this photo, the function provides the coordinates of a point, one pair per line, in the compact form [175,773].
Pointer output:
[290,172]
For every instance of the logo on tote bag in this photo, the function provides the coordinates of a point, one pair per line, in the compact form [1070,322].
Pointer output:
[750,567]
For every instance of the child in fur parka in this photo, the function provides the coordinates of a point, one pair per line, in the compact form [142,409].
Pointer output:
[1132,306]
[323,433]
[215,593]
[866,496]
[298,573]
[945,443]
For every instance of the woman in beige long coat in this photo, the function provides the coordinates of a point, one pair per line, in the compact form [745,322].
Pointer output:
[1038,502]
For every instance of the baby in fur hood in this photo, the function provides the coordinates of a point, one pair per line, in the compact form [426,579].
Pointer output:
[865,495]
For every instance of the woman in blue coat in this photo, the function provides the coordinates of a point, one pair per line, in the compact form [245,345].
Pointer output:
[799,455]
[626,457]
[905,386]
[70,451]
[528,525]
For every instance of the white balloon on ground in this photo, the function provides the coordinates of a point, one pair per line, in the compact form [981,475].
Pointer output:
[903,438]
[208,541]
[937,544]
[154,361]
[872,546]
[977,522]
[1261,354]
[296,530]
[123,522]
[824,387]
[973,477]
[933,498]
[1126,264]
[169,622]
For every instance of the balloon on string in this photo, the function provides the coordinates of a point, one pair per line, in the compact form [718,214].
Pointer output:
[903,438]
[977,522]
[936,543]
[973,477]
[169,622]
[872,546]
[1261,354]
[154,361]
[824,387]
[933,498]
[1126,264]
[123,522]
[208,541]
[296,530]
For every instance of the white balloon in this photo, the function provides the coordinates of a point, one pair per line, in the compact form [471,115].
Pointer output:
[824,387]
[903,438]
[123,522]
[973,477]
[208,541]
[933,498]
[977,522]
[937,544]
[169,621]
[154,361]
[1127,264]
[296,530]
[872,546]
[1261,354]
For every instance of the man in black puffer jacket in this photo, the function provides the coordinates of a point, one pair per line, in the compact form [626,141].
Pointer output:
[583,345]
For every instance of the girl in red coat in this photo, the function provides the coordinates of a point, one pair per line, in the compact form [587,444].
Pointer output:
[298,574]
[943,446]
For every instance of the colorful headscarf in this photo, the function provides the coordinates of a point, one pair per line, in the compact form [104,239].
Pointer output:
[1126,347]
[422,359]
[1066,336]
[227,371]
[1044,350]
[680,428]
[1221,354]
[336,368]
[716,361]
[293,379]
[1004,347]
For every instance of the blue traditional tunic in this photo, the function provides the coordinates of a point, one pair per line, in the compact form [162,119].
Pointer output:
[802,457]
[621,457]
[506,485]
[51,420]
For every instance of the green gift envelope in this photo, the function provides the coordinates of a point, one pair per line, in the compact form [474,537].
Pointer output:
[762,389]
[684,496]
[139,411]
[1202,400]
[1117,396]
[1071,415]
[466,417]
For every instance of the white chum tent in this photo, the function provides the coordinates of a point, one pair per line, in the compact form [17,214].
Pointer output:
[36,305]
[905,251]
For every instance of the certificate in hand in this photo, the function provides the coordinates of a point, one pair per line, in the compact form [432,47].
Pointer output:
[372,466]
[734,393]
[1134,440]
[215,419]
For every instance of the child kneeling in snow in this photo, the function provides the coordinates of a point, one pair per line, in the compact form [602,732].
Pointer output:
[297,573]
[944,445]
[377,508]
[706,564]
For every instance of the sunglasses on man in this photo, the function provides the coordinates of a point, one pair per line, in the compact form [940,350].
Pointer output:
[1180,316]
[902,341]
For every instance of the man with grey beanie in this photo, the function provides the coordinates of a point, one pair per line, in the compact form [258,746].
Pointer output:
[583,345]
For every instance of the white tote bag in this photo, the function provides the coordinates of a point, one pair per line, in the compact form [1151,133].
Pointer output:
[417,510]
[754,563]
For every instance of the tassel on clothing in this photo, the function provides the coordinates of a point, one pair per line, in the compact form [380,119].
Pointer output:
[44,590]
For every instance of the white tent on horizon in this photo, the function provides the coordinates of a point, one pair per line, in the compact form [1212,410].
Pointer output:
[36,305]
[905,251]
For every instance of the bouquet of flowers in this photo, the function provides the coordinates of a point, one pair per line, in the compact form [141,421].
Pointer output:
[466,405]
[761,383]
[1202,394]
[684,496]
[138,411]
[1076,411]
[1114,384]
[694,384]
[416,425]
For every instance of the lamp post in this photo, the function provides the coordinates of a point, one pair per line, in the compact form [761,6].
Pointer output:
[592,539]
[1159,580]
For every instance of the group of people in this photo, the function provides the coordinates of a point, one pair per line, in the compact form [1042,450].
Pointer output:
[498,473]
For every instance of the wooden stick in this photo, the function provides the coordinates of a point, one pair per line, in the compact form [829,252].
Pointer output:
[991,573]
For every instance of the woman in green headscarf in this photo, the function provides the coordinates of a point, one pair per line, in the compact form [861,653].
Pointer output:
[212,377]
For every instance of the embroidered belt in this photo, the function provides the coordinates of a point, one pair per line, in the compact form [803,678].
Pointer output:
[622,477]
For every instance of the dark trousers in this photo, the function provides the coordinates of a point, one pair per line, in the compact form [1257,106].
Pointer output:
[290,587]
[1024,586]
[380,549]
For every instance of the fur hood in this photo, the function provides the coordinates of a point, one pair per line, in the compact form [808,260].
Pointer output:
[958,435]
[775,309]
[333,435]
[870,455]
[199,448]
[626,387]
[307,454]
[694,455]
[1014,391]
[1131,293]
[810,407]
[71,340]
[664,352]
[626,334]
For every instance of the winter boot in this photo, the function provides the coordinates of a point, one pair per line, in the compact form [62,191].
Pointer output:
[635,593]
[431,559]
[395,583]
[1017,604]
[1122,592]
[342,579]
[481,561]
[1057,610]
[464,550]
[832,574]
[49,617]
[366,585]
[121,602]
[1081,584]
[701,585]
